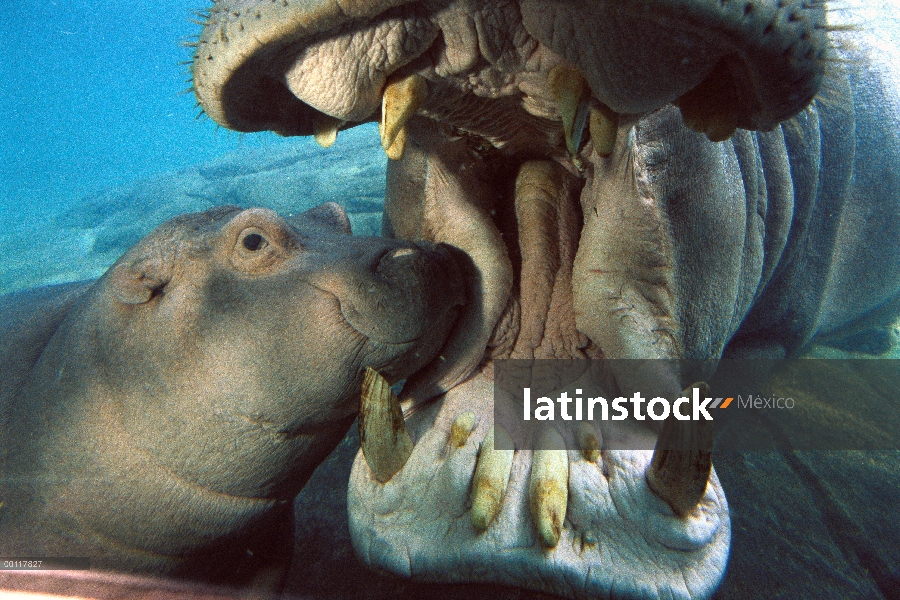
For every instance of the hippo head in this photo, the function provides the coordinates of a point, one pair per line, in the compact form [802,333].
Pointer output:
[551,140]
[188,395]
[261,326]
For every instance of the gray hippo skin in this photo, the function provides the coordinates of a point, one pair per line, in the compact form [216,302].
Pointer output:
[631,179]
[161,419]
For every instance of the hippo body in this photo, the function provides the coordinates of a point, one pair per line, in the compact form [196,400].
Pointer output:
[162,418]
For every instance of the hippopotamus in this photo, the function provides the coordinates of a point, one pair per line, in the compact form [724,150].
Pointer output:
[632,179]
[161,419]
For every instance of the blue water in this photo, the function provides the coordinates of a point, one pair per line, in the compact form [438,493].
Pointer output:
[91,99]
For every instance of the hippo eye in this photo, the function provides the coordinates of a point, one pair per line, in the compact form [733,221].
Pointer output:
[253,242]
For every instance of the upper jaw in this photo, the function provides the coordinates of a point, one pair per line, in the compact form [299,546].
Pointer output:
[725,65]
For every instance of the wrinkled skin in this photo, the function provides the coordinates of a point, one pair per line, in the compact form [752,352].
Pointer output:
[670,246]
[162,419]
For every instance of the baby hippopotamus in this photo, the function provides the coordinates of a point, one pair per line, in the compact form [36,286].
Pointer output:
[162,418]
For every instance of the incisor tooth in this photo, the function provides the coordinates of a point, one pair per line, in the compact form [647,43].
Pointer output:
[385,443]
[682,460]
[573,96]
[402,98]
[589,441]
[548,489]
[491,477]
[461,429]
[603,126]
[325,129]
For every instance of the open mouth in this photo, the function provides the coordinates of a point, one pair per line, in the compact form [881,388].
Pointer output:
[533,100]
[527,135]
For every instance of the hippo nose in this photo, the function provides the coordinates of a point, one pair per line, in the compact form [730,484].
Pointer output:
[407,291]
[400,253]
[398,260]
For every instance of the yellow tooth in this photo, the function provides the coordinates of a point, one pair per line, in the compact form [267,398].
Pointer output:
[385,444]
[716,121]
[402,98]
[325,129]
[682,460]
[603,126]
[548,489]
[396,149]
[589,441]
[720,130]
[573,96]
[491,477]
[461,429]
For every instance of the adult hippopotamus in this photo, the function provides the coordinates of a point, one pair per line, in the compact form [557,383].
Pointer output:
[161,419]
[658,179]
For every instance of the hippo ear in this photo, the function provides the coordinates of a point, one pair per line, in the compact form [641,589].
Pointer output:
[330,216]
[136,281]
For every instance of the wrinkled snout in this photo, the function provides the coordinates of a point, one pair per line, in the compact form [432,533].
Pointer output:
[412,291]
[396,292]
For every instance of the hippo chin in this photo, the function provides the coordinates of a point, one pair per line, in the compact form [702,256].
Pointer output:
[161,419]
[650,179]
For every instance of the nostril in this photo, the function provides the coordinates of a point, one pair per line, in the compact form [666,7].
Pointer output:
[396,262]
[402,252]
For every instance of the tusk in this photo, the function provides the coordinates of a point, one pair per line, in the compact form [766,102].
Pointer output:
[720,131]
[589,441]
[402,98]
[396,149]
[385,443]
[325,129]
[461,429]
[491,477]
[682,461]
[549,487]
[572,99]
[603,126]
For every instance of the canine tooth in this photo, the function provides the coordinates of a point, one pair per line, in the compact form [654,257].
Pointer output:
[720,131]
[395,151]
[572,98]
[718,128]
[385,443]
[549,487]
[461,429]
[589,441]
[325,129]
[491,477]
[402,98]
[603,125]
[682,460]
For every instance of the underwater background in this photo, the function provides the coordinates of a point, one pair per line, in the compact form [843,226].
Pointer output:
[98,145]
[102,141]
